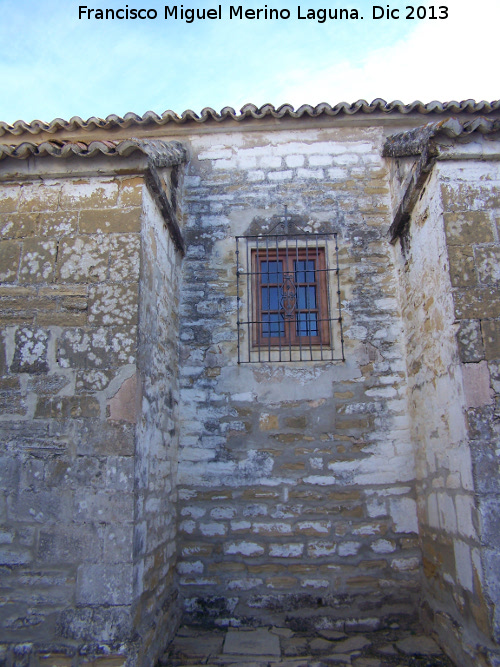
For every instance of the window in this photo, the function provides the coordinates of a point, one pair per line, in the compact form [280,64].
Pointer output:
[286,286]
[290,297]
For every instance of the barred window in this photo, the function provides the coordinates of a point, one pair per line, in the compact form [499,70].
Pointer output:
[286,309]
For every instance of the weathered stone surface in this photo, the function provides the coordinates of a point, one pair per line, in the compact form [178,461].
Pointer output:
[107,221]
[104,584]
[83,260]
[18,225]
[477,385]
[113,305]
[470,341]
[267,492]
[10,252]
[491,336]
[124,404]
[30,354]
[462,267]
[488,264]
[477,303]
[252,642]
[38,260]
[351,644]
[418,646]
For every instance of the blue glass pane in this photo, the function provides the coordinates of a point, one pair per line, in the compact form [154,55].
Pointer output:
[271,272]
[307,324]
[306,297]
[304,271]
[270,298]
[272,326]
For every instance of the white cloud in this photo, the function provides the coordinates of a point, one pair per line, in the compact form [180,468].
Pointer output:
[452,59]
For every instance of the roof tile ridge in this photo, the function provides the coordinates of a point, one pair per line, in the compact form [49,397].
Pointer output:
[75,123]
[159,152]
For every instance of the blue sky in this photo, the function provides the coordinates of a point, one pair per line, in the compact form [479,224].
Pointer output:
[53,64]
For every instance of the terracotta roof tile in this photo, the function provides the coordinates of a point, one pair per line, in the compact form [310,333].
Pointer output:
[415,141]
[247,112]
[160,153]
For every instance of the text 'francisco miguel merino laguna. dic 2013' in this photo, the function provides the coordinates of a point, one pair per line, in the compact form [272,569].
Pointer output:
[189,14]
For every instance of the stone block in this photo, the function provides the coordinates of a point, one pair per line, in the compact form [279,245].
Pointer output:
[489,517]
[68,544]
[12,400]
[83,260]
[124,405]
[477,385]
[251,642]
[109,221]
[96,624]
[37,264]
[131,192]
[469,198]
[488,264]
[117,542]
[104,584]
[83,348]
[13,555]
[10,253]
[418,645]
[120,473]
[486,466]
[39,507]
[481,423]
[491,337]
[470,341]
[243,548]
[67,407]
[30,354]
[9,198]
[58,224]
[24,435]
[462,267]
[89,194]
[124,257]
[18,225]
[321,549]
[9,473]
[268,422]
[47,384]
[96,438]
[299,423]
[39,196]
[103,506]
[468,227]
[477,303]
[286,550]
[62,319]
[113,305]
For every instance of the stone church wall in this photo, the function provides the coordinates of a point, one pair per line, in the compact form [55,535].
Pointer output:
[296,481]
[448,263]
[147,476]
[88,501]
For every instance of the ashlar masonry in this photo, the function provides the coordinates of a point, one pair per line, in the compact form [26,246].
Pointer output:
[347,475]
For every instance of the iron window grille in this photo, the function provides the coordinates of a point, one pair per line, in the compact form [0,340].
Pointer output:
[288,297]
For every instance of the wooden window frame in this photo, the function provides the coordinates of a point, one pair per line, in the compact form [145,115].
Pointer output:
[288,255]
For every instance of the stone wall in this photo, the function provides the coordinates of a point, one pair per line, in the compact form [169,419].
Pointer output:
[296,481]
[146,474]
[87,533]
[155,553]
[471,201]
[447,258]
